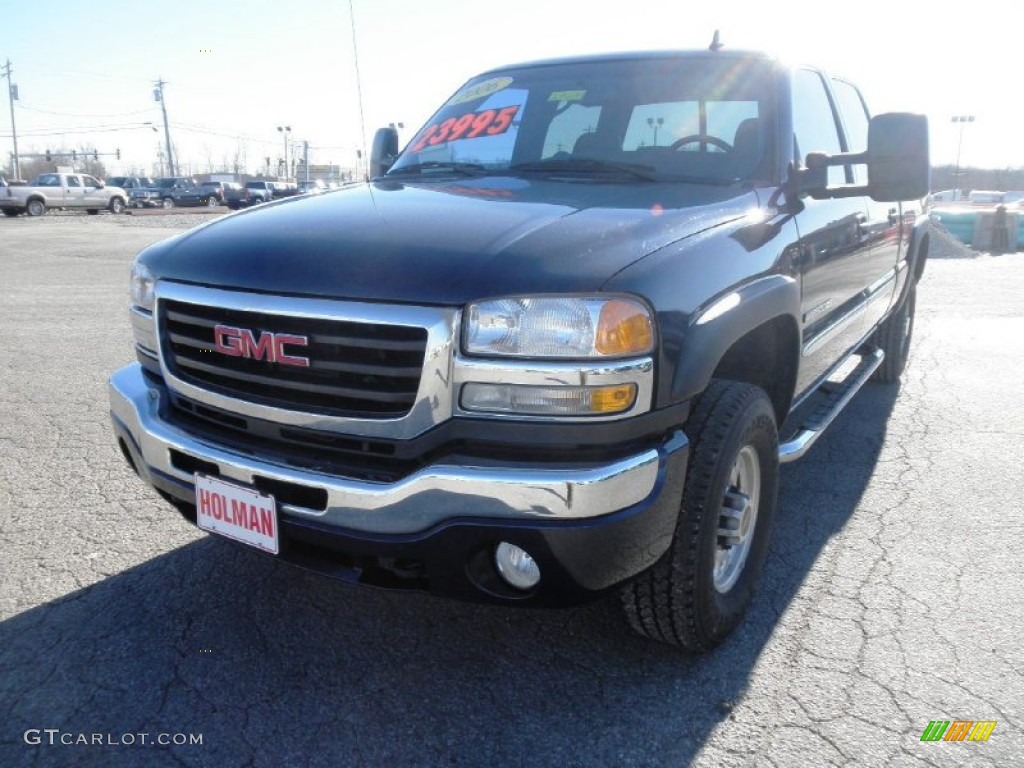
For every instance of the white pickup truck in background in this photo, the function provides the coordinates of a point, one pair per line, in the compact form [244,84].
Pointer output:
[62,190]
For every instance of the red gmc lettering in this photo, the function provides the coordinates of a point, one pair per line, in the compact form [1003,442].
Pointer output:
[241,342]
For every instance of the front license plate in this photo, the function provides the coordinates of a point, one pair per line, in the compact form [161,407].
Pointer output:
[240,513]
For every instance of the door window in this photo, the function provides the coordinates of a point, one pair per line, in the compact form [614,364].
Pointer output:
[855,118]
[814,123]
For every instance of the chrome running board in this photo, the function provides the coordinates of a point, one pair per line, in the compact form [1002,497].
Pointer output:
[815,426]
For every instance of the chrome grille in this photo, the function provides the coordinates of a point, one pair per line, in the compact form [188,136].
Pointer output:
[355,369]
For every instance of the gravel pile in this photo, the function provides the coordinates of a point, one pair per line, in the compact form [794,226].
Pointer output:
[944,246]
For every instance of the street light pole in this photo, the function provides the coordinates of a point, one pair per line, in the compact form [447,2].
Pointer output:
[655,123]
[962,120]
[285,130]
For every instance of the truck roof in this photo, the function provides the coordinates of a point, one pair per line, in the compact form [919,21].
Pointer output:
[637,55]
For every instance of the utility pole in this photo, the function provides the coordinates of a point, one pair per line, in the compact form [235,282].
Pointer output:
[305,158]
[12,94]
[285,131]
[158,95]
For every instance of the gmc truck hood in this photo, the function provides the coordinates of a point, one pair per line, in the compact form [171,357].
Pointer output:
[445,242]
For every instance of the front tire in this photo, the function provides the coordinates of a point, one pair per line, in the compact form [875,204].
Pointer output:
[168,202]
[35,208]
[700,590]
[116,205]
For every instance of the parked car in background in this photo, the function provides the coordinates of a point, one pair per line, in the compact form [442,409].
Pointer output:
[219,189]
[62,190]
[130,182]
[172,191]
[253,193]
[313,187]
[284,189]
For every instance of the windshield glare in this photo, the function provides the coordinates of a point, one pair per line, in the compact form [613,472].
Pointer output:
[677,117]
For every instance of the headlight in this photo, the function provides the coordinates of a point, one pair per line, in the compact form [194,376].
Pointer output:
[558,327]
[141,287]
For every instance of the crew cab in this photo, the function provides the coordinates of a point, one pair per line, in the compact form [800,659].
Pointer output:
[172,191]
[556,348]
[253,193]
[61,190]
[219,189]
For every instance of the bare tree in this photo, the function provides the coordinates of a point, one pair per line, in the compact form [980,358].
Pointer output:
[82,159]
[238,162]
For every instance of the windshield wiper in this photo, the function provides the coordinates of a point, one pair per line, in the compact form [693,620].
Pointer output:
[586,166]
[439,168]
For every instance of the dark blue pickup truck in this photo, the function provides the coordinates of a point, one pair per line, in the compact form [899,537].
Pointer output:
[555,349]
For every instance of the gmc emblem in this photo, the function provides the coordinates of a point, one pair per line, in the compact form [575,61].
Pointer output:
[241,342]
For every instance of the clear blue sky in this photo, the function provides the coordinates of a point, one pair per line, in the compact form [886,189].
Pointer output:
[238,69]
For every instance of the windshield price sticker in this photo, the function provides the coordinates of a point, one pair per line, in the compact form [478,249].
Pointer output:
[472,125]
[478,91]
[567,96]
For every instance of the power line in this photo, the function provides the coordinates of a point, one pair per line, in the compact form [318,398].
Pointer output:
[70,114]
[203,129]
[80,73]
[93,129]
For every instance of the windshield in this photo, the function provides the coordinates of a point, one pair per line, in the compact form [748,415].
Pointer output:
[650,119]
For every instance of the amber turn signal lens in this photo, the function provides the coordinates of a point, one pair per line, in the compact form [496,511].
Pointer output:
[612,399]
[624,328]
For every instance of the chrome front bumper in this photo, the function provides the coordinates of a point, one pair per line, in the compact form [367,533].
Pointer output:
[415,503]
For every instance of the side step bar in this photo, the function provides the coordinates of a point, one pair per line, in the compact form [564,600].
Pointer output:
[818,422]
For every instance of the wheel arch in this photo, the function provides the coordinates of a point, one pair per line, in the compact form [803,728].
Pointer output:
[921,241]
[750,334]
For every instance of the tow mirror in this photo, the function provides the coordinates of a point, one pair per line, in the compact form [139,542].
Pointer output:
[896,158]
[898,164]
[384,151]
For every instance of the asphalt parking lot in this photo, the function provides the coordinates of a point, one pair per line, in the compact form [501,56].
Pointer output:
[891,598]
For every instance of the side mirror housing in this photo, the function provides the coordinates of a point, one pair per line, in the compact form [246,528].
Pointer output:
[384,151]
[899,167]
[897,160]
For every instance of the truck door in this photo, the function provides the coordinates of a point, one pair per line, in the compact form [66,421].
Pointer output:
[836,260]
[883,226]
[94,196]
[74,192]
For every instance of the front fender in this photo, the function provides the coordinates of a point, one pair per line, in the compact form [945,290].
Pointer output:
[722,322]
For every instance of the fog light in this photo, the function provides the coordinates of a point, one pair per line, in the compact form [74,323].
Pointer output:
[516,566]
